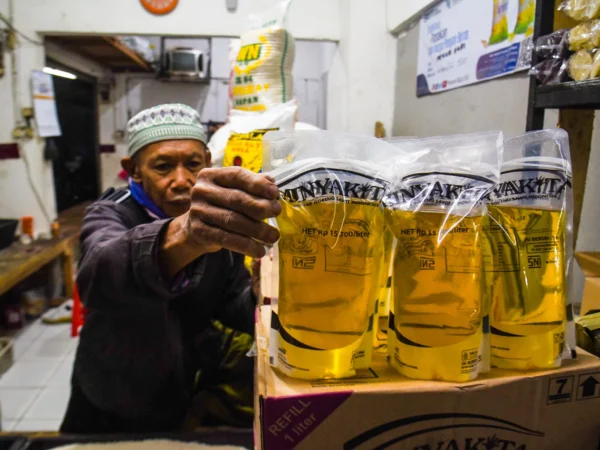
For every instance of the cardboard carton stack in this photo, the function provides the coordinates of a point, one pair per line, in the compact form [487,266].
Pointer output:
[590,264]
[379,409]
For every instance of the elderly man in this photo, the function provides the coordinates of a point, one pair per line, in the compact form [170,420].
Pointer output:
[161,271]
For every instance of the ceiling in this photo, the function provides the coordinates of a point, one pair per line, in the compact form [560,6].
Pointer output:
[108,51]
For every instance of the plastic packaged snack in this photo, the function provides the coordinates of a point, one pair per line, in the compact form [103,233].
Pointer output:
[529,251]
[551,71]
[581,9]
[330,250]
[525,17]
[499,22]
[434,208]
[262,75]
[553,45]
[585,36]
[584,65]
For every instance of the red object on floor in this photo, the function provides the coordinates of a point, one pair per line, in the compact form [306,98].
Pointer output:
[79,313]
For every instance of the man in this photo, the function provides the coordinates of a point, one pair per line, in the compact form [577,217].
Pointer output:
[160,262]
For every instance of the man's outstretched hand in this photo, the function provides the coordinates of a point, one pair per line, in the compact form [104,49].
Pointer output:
[229,206]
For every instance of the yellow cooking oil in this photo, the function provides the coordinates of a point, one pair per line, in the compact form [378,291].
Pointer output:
[437,285]
[526,256]
[382,305]
[330,259]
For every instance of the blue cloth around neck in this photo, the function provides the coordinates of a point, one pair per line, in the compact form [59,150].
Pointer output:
[140,196]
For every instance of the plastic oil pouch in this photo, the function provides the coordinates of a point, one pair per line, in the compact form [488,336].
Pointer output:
[330,251]
[529,253]
[525,17]
[382,305]
[435,209]
[499,22]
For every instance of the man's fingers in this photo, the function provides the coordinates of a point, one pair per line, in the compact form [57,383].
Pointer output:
[243,180]
[235,222]
[230,241]
[232,199]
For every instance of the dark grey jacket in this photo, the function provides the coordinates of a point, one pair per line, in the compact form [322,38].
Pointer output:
[137,357]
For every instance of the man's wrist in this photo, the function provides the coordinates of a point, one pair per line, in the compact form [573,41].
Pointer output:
[177,248]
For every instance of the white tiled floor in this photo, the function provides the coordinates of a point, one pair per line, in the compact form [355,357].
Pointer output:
[34,392]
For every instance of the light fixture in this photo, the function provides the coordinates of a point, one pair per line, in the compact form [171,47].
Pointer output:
[59,73]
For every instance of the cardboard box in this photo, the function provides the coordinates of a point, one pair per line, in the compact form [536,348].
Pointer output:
[591,296]
[589,263]
[379,409]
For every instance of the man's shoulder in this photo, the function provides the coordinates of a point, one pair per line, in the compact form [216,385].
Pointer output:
[116,195]
[117,202]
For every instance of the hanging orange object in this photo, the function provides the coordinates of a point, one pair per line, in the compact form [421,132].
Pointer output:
[159,6]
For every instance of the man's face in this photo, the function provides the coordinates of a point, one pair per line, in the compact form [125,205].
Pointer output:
[167,171]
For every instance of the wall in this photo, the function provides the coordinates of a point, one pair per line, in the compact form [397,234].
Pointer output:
[133,93]
[499,104]
[401,13]
[21,179]
[308,19]
[360,84]
[496,104]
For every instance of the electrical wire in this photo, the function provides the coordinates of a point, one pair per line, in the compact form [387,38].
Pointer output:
[12,28]
[36,193]
[24,157]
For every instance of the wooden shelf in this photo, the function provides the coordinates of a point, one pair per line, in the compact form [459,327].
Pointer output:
[571,95]
[105,50]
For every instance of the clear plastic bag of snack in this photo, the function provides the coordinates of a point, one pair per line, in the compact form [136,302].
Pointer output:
[331,250]
[581,9]
[585,36]
[435,210]
[550,71]
[584,65]
[528,252]
[553,45]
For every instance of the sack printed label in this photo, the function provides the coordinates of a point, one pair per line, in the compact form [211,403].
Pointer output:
[246,150]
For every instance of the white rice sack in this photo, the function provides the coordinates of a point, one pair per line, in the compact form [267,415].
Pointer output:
[242,136]
[262,75]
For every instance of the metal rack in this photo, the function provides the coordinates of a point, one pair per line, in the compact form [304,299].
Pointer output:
[572,95]
[576,101]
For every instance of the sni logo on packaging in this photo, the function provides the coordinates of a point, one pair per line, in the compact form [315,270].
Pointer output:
[299,262]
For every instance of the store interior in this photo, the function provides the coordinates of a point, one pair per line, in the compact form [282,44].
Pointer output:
[405,101]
